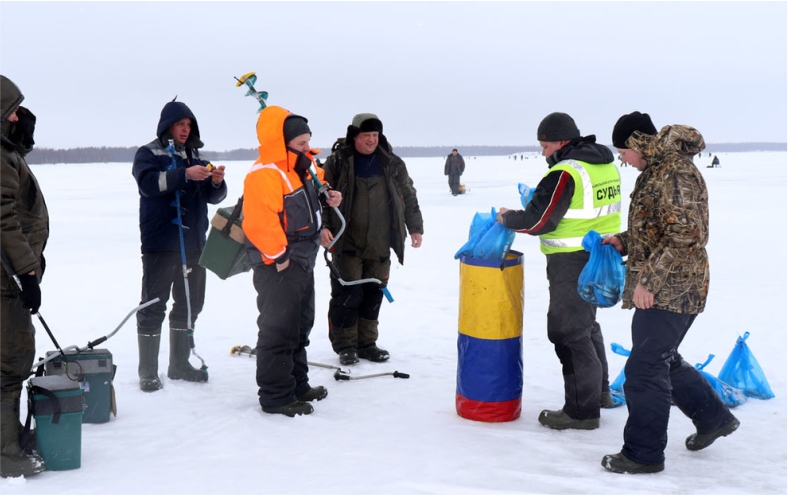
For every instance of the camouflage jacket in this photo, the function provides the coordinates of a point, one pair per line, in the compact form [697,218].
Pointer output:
[668,223]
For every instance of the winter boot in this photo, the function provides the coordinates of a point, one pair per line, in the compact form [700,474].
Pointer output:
[149,361]
[696,442]
[373,354]
[559,420]
[180,368]
[313,393]
[292,409]
[13,461]
[348,356]
[620,464]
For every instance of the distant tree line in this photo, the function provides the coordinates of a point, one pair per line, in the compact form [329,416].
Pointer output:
[97,155]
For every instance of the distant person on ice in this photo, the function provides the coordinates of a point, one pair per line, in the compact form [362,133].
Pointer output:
[25,231]
[158,181]
[561,212]
[454,167]
[667,284]
[283,226]
[715,162]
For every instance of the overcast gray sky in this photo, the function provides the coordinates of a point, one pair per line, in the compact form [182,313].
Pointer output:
[436,73]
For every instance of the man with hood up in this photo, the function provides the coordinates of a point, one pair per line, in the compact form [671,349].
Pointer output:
[159,175]
[667,284]
[380,209]
[25,230]
[283,223]
[580,192]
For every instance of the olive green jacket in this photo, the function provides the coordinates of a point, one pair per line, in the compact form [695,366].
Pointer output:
[404,211]
[23,212]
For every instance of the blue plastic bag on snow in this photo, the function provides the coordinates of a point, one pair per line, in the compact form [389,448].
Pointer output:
[741,370]
[601,281]
[617,386]
[729,395]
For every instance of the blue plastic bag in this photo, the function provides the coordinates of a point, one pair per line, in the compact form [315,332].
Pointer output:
[729,395]
[741,370]
[617,386]
[487,240]
[601,281]
[526,193]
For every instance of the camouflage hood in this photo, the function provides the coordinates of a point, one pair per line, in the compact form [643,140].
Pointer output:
[684,140]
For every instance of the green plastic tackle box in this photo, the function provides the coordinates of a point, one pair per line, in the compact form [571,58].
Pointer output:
[56,403]
[93,371]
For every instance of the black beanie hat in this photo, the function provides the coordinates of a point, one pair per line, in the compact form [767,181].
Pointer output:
[557,126]
[628,124]
[295,126]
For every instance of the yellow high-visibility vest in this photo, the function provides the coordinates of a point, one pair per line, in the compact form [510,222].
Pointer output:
[596,205]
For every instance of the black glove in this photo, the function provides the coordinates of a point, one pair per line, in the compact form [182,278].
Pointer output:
[31,292]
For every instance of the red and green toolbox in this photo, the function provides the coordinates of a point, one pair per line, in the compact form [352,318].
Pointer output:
[56,403]
[93,372]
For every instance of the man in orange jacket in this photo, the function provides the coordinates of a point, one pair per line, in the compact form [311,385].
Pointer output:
[283,223]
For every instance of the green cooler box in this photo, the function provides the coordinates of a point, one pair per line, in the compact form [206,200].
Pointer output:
[224,253]
[56,403]
[93,371]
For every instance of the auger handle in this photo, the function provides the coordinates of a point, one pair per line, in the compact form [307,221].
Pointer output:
[401,375]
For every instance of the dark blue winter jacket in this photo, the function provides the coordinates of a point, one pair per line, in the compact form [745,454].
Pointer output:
[158,182]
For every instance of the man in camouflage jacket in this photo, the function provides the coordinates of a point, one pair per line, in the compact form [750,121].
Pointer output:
[667,283]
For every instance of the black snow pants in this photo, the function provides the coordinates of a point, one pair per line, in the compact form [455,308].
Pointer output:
[655,374]
[577,337]
[454,183]
[17,344]
[286,302]
[162,273]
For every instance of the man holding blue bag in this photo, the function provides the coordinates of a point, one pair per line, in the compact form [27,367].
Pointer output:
[580,192]
[667,283]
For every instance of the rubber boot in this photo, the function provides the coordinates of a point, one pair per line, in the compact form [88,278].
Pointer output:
[180,349]
[13,461]
[149,362]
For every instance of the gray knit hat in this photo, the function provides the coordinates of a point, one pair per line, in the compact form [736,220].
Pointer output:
[557,127]
[295,126]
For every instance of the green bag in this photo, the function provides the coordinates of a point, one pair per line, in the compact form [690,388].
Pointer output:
[224,253]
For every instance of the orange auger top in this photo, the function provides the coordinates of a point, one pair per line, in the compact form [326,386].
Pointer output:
[282,213]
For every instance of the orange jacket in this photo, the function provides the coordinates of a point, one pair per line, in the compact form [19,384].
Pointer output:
[282,216]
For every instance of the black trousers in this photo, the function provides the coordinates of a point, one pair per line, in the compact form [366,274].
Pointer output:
[286,302]
[454,183]
[162,273]
[17,344]
[576,335]
[655,374]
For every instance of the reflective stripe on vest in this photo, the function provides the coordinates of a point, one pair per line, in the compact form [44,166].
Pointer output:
[592,208]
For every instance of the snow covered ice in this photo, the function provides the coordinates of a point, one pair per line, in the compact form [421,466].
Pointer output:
[403,436]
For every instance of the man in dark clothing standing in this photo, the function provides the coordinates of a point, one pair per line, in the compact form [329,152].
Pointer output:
[25,230]
[667,284]
[379,203]
[161,175]
[580,192]
[455,166]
